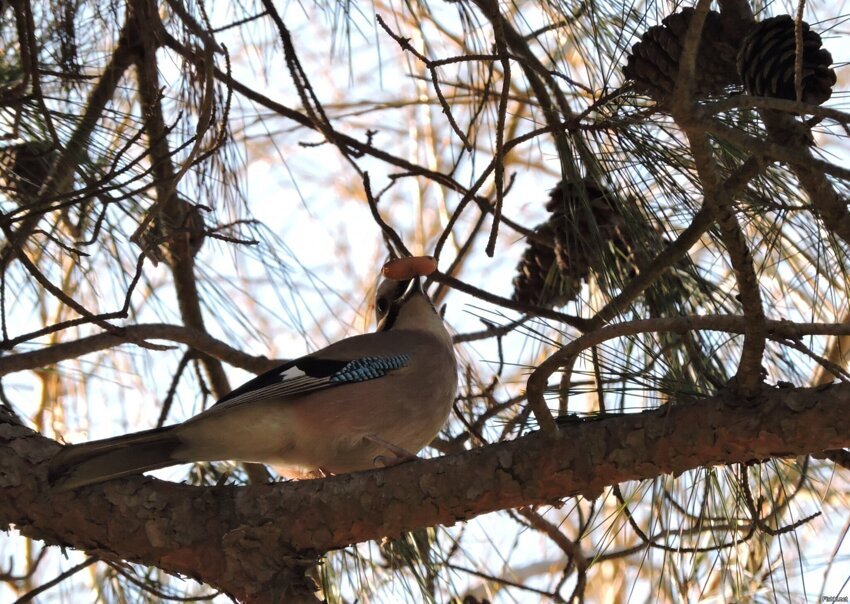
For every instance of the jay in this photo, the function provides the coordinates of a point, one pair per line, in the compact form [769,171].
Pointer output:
[365,401]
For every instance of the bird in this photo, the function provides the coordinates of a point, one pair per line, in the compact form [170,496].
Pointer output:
[366,401]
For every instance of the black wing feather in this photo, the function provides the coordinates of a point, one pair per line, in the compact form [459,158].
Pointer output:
[268,382]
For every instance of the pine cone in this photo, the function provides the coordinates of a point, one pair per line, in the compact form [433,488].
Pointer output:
[584,215]
[24,168]
[538,280]
[767,56]
[654,61]
[177,234]
[191,229]
[584,219]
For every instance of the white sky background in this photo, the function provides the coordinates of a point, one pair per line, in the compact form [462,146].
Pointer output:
[316,222]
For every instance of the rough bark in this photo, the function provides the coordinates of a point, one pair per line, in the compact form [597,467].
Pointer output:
[255,541]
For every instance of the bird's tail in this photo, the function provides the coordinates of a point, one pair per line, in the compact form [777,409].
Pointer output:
[100,460]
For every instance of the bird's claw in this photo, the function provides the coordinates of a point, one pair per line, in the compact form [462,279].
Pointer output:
[400,455]
[384,461]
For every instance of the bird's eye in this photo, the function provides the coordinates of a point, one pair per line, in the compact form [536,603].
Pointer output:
[382,305]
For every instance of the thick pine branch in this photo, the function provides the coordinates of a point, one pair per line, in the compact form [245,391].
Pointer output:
[246,540]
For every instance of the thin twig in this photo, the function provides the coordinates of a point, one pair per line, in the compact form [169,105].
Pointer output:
[29,596]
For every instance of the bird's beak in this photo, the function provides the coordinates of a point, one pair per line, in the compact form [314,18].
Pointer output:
[413,288]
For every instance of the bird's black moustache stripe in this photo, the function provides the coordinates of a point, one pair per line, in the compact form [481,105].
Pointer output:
[399,296]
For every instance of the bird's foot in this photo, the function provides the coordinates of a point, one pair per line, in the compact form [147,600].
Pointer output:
[387,461]
[399,454]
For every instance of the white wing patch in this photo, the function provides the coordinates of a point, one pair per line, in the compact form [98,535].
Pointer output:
[292,380]
[291,373]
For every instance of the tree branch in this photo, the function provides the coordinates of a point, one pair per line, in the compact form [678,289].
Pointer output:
[242,539]
[195,339]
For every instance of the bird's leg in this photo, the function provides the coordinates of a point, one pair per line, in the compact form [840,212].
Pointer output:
[401,455]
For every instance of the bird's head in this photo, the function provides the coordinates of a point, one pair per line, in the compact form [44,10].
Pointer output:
[403,305]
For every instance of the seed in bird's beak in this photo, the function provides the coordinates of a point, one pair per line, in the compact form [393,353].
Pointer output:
[402,269]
